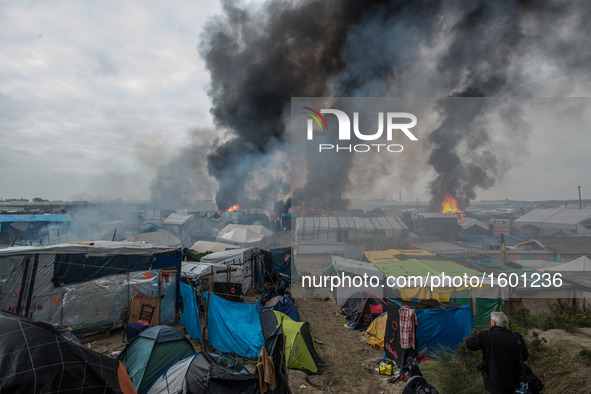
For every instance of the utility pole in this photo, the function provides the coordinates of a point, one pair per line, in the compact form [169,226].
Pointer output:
[580,206]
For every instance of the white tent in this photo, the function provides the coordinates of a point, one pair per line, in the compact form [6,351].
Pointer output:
[349,268]
[581,264]
[158,237]
[245,235]
[205,246]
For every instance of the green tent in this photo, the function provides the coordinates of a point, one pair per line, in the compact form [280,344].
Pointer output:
[151,352]
[300,351]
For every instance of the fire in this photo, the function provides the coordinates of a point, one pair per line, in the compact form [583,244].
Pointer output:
[450,205]
[233,208]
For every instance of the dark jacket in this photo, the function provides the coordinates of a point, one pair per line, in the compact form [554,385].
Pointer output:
[500,354]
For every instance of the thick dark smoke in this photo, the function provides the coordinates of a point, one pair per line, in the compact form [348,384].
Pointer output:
[260,58]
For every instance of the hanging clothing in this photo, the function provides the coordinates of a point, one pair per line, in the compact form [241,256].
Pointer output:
[408,323]
[266,371]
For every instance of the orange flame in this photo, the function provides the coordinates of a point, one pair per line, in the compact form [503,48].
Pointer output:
[233,208]
[450,205]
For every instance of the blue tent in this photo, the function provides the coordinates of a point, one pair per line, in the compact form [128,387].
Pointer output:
[283,304]
[234,327]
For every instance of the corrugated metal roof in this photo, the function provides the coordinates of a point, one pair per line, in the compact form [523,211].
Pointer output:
[348,223]
[553,217]
[568,245]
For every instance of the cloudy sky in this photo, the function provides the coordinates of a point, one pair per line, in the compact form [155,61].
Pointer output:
[95,96]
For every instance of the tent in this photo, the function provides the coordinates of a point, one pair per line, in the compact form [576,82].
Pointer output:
[362,308]
[374,336]
[300,350]
[204,373]
[283,304]
[35,358]
[62,283]
[245,235]
[151,352]
[353,268]
[158,237]
[234,327]
[440,325]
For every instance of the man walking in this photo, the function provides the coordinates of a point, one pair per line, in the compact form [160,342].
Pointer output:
[501,350]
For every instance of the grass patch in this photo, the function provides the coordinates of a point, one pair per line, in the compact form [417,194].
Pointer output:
[454,372]
[584,356]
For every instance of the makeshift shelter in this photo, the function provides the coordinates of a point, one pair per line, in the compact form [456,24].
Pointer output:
[234,327]
[245,235]
[35,358]
[374,336]
[38,229]
[342,267]
[151,352]
[233,266]
[204,373]
[300,350]
[88,286]
[208,246]
[283,304]
[158,237]
[361,308]
[440,325]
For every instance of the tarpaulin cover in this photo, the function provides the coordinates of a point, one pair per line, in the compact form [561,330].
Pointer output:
[234,327]
[76,268]
[439,327]
[190,317]
[279,263]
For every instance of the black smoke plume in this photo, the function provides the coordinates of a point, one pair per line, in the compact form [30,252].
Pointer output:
[260,57]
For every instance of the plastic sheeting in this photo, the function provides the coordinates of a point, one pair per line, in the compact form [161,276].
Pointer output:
[190,317]
[234,327]
[439,327]
[28,287]
[114,293]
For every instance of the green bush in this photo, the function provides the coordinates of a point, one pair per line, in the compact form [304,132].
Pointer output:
[522,320]
[561,315]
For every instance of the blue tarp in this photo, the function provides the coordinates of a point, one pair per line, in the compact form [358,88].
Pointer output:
[443,327]
[234,327]
[35,218]
[440,327]
[279,263]
[190,318]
